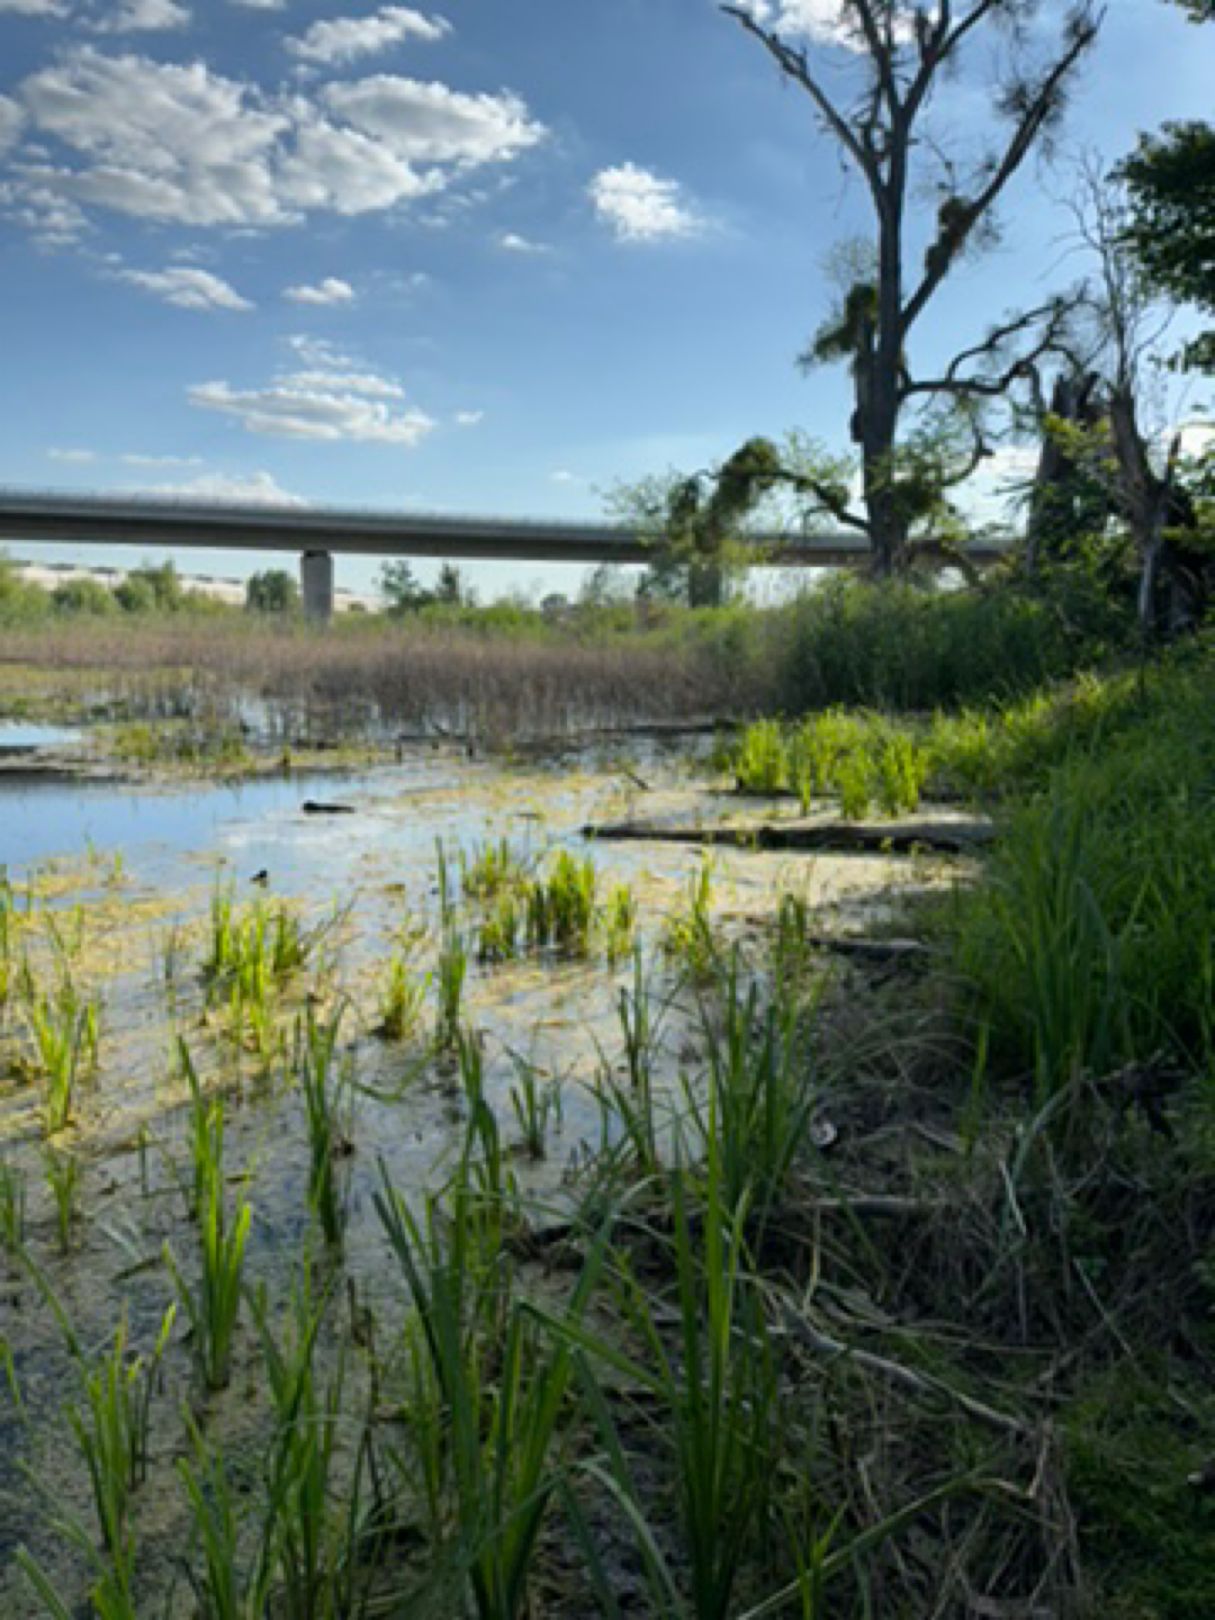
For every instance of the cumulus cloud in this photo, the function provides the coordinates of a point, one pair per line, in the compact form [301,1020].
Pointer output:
[188,288]
[343,39]
[640,206]
[181,144]
[332,290]
[427,122]
[143,17]
[469,418]
[331,401]
[72,457]
[34,8]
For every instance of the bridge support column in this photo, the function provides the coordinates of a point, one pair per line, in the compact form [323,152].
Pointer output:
[316,580]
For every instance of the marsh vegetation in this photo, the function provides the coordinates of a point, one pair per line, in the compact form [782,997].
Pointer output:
[468,1218]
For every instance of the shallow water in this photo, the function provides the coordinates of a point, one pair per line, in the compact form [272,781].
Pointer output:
[20,737]
[142,864]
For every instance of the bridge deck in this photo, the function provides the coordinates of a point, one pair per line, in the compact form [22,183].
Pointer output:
[127,520]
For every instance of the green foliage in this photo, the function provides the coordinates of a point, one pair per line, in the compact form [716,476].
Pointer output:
[87,596]
[561,906]
[273,590]
[151,589]
[1171,182]
[1091,944]
[1135,1441]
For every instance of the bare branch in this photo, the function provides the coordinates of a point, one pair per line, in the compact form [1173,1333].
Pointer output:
[1054,314]
[1038,106]
[794,64]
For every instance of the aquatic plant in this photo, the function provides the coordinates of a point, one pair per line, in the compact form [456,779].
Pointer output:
[451,973]
[12,1208]
[111,1425]
[64,1028]
[755,1115]
[490,1388]
[561,906]
[760,762]
[62,1173]
[690,938]
[492,869]
[213,1304]
[536,1103]
[326,1088]
[401,1001]
[499,928]
[619,924]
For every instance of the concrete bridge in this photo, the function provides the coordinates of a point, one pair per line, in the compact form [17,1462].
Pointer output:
[319,534]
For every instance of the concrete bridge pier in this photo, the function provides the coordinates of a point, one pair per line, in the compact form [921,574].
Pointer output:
[316,581]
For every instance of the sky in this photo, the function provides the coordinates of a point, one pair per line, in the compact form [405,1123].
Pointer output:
[481,255]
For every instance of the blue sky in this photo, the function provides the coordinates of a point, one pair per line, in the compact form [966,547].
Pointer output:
[477,256]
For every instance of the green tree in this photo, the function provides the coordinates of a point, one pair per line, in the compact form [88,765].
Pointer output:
[273,590]
[83,596]
[151,589]
[900,54]
[401,590]
[1170,180]
[452,588]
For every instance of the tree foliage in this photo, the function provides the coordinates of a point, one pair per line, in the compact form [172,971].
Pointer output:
[273,590]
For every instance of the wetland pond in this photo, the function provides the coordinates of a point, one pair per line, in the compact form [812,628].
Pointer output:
[166,944]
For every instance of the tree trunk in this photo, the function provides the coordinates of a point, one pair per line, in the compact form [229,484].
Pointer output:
[875,429]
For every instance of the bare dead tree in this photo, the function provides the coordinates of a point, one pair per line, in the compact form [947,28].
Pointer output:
[902,52]
[1141,468]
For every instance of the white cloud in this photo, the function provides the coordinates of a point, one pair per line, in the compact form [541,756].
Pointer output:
[330,402]
[512,242]
[825,21]
[182,144]
[469,418]
[34,8]
[640,206]
[252,489]
[11,119]
[331,290]
[432,123]
[72,457]
[143,16]
[342,39]
[563,476]
[350,382]
[188,288]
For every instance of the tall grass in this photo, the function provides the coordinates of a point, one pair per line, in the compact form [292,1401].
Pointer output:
[1089,943]
[498,1387]
[326,1088]
[213,1303]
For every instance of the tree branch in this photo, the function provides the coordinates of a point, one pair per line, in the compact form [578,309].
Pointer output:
[1042,102]
[794,65]
[1055,314]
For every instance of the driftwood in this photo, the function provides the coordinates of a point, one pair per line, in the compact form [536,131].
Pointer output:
[860,948]
[311,807]
[834,837]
